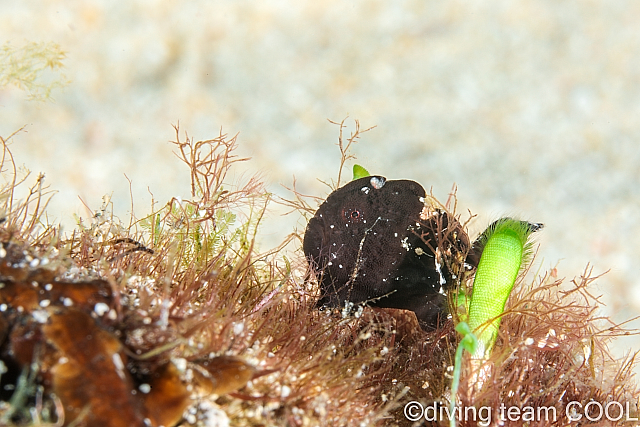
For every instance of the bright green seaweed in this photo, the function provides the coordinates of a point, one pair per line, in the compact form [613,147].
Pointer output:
[506,250]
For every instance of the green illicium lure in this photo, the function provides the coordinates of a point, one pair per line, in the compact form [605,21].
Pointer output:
[359,172]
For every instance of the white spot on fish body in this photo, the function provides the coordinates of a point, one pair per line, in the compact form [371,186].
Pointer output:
[405,244]
[377,182]
[439,270]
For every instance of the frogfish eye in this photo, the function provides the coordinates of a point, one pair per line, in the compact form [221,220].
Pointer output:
[352,215]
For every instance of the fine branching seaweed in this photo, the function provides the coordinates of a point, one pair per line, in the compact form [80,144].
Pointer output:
[33,67]
[178,318]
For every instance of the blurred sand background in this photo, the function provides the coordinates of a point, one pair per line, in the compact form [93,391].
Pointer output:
[531,108]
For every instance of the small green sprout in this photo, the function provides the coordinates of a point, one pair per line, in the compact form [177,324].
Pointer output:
[359,172]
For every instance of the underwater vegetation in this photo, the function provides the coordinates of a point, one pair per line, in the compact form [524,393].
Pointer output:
[35,68]
[177,318]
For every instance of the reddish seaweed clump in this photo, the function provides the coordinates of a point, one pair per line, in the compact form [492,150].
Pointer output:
[177,319]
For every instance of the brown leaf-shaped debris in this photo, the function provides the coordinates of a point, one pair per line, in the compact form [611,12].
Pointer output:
[221,375]
[90,377]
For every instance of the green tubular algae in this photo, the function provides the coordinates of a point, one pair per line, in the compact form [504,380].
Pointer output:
[506,250]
